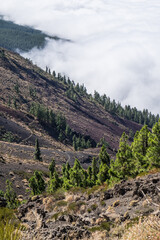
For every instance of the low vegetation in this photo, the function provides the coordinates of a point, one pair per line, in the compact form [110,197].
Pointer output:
[10,196]
[9,227]
[148,228]
[104,226]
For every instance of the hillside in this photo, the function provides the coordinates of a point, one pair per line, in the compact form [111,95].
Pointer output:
[23,84]
[23,38]
[70,202]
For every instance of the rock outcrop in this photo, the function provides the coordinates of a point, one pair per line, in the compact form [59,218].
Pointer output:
[81,215]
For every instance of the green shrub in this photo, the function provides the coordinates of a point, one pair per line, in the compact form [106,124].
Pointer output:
[94,207]
[103,203]
[10,196]
[61,203]
[104,226]
[37,183]
[56,215]
[8,137]
[89,210]
[59,194]
[93,189]
[75,206]
[77,190]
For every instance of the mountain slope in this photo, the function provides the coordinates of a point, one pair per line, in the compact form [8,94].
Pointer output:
[23,83]
[23,38]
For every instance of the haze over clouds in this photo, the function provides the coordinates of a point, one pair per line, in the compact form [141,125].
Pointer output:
[115,46]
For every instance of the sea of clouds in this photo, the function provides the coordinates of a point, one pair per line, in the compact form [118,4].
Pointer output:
[114,47]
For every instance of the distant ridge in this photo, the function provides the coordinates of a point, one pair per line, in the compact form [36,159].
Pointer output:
[24,38]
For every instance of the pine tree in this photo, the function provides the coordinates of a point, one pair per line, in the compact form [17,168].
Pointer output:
[140,145]
[47,116]
[52,118]
[124,165]
[76,174]
[15,103]
[54,183]
[66,176]
[153,152]
[54,73]
[89,173]
[103,174]
[88,144]
[37,183]
[33,185]
[9,101]
[67,131]
[66,170]
[60,136]
[52,168]
[103,156]
[74,142]
[37,154]
[95,169]
[10,195]
[16,88]
[104,161]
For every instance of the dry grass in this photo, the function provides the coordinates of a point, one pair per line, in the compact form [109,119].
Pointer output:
[9,225]
[116,203]
[149,229]
[133,203]
[151,171]
[9,231]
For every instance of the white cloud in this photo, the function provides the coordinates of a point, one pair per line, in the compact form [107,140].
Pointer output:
[115,47]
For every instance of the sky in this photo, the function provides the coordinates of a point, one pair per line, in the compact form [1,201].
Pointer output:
[114,47]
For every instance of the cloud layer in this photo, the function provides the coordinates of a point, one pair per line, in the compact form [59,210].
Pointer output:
[115,44]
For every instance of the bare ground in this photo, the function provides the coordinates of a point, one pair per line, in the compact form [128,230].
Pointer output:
[17,162]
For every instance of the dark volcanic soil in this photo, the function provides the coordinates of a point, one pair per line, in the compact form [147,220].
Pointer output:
[84,116]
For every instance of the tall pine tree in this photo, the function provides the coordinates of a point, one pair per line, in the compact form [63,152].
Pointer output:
[37,154]
[140,145]
[124,165]
[153,152]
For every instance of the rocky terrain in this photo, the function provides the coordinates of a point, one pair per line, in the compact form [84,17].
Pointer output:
[97,213]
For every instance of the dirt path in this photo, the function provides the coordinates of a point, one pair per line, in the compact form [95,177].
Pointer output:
[19,163]
[24,152]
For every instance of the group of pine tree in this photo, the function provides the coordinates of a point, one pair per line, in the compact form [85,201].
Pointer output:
[132,159]
[75,90]
[59,127]
[14,36]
